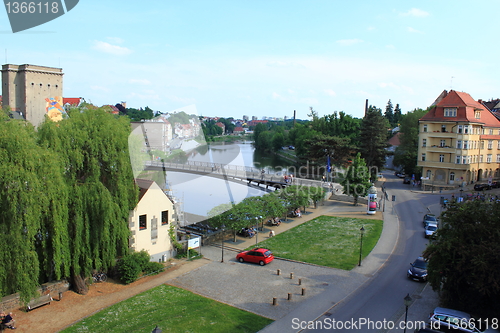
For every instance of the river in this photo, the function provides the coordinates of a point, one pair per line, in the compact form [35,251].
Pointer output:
[199,194]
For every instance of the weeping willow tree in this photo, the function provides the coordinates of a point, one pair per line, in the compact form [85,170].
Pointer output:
[93,147]
[33,212]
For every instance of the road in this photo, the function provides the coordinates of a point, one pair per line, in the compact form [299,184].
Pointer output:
[381,299]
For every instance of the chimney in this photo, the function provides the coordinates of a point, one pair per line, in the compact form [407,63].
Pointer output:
[366,106]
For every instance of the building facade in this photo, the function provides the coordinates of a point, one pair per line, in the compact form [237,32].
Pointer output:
[26,88]
[459,142]
[151,221]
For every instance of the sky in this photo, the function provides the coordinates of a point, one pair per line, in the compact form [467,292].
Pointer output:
[230,58]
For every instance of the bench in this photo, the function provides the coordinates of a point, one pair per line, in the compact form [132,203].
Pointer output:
[42,300]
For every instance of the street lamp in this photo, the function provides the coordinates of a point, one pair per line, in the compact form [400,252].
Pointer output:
[361,231]
[222,243]
[407,301]
[256,229]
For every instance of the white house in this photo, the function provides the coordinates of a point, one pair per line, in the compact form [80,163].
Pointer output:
[151,220]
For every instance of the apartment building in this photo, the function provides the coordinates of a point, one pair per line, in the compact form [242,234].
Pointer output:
[459,142]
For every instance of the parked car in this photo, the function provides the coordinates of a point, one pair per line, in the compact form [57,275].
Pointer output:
[482,187]
[407,180]
[418,270]
[430,229]
[449,320]
[258,255]
[495,184]
[430,218]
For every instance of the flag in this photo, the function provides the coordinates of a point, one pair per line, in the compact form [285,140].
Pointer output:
[328,166]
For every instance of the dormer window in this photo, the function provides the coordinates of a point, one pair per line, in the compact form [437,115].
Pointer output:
[450,112]
[477,114]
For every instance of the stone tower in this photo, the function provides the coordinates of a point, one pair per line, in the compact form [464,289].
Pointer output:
[26,87]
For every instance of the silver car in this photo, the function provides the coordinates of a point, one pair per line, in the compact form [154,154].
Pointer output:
[430,229]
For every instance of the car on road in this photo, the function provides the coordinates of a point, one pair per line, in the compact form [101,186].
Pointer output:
[430,218]
[430,229]
[482,187]
[258,255]
[407,180]
[418,270]
[399,174]
[495,184]
[449,320]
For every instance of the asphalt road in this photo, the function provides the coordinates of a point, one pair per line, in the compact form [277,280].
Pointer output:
[381,299]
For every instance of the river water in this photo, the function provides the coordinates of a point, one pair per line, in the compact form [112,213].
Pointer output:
[199,194]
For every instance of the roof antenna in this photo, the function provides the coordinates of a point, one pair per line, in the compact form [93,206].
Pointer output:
[451,83]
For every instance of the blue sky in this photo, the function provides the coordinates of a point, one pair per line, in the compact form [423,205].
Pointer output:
[266,58]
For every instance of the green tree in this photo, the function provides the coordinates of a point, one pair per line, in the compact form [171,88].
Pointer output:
[374,140]
[356,179]
[319,146]
[389,113]
[405,155]
[258,130]
[463,260]
[93,147]
[33,212]
[278,141]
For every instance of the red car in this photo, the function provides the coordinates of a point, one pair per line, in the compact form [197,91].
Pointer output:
[257,255]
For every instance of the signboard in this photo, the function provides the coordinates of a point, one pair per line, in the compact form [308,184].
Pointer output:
[193,243]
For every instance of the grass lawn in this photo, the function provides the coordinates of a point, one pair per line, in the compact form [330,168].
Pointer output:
[327,241]
[173,310]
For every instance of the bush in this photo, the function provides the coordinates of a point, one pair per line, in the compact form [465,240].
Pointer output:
[153,267]
[129,269]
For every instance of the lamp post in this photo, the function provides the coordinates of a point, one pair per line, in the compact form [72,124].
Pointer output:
[222,243]
[407,301]
[361,231]
[256,229]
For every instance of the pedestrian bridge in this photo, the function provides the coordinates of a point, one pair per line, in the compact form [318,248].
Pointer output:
[242,174]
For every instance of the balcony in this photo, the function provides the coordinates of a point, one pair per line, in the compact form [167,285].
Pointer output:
[442,165]
[437,134]
[440,149]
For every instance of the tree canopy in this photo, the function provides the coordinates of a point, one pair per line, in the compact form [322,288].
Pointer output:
[356,179]
[374,139]
[463,260]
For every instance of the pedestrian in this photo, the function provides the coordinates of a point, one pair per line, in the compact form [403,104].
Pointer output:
[271,233]
[8,321]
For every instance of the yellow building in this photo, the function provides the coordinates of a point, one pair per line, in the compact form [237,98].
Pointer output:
[459,142]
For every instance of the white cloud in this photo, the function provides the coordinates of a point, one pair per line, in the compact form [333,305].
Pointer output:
[330,92]
[139,81]
[111,49]
[412,30]
[347,42]
[415,12]
[115,40]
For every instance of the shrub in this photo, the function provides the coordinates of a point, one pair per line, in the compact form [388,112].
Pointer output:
[153,267]
[129,269]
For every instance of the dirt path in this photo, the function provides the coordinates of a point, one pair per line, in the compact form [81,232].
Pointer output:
[73,307]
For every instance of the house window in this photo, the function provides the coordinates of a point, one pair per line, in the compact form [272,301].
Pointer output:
[466,144]
[460,129]
[424,142]
[164,217]
[469,159]
[441,158]
[466,129]
[443,128]
[425,127]
[452,175]
[429,174]
[450,112]
[464,159]
[142,222]
[490,144]
[459,144]
[154,230]
[498,144]
[459,158]
[480,158]
[477,114]
[488,158]
[491,131]
[482,144]
[442,143]
[498,158]
[423,157]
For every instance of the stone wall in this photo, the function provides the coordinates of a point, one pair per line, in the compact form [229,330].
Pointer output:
[12,302]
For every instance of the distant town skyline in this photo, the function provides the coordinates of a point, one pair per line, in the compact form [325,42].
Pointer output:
[256,58]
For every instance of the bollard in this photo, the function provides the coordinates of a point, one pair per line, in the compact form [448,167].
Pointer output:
[300,282]
[275,301]
[303,291]
[278,272]
[289,296]
[60,295]
[291,275]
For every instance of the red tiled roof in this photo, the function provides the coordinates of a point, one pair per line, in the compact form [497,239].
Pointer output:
[75,101]
[395,141]
[144,185]
[238,129]
[466,107]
